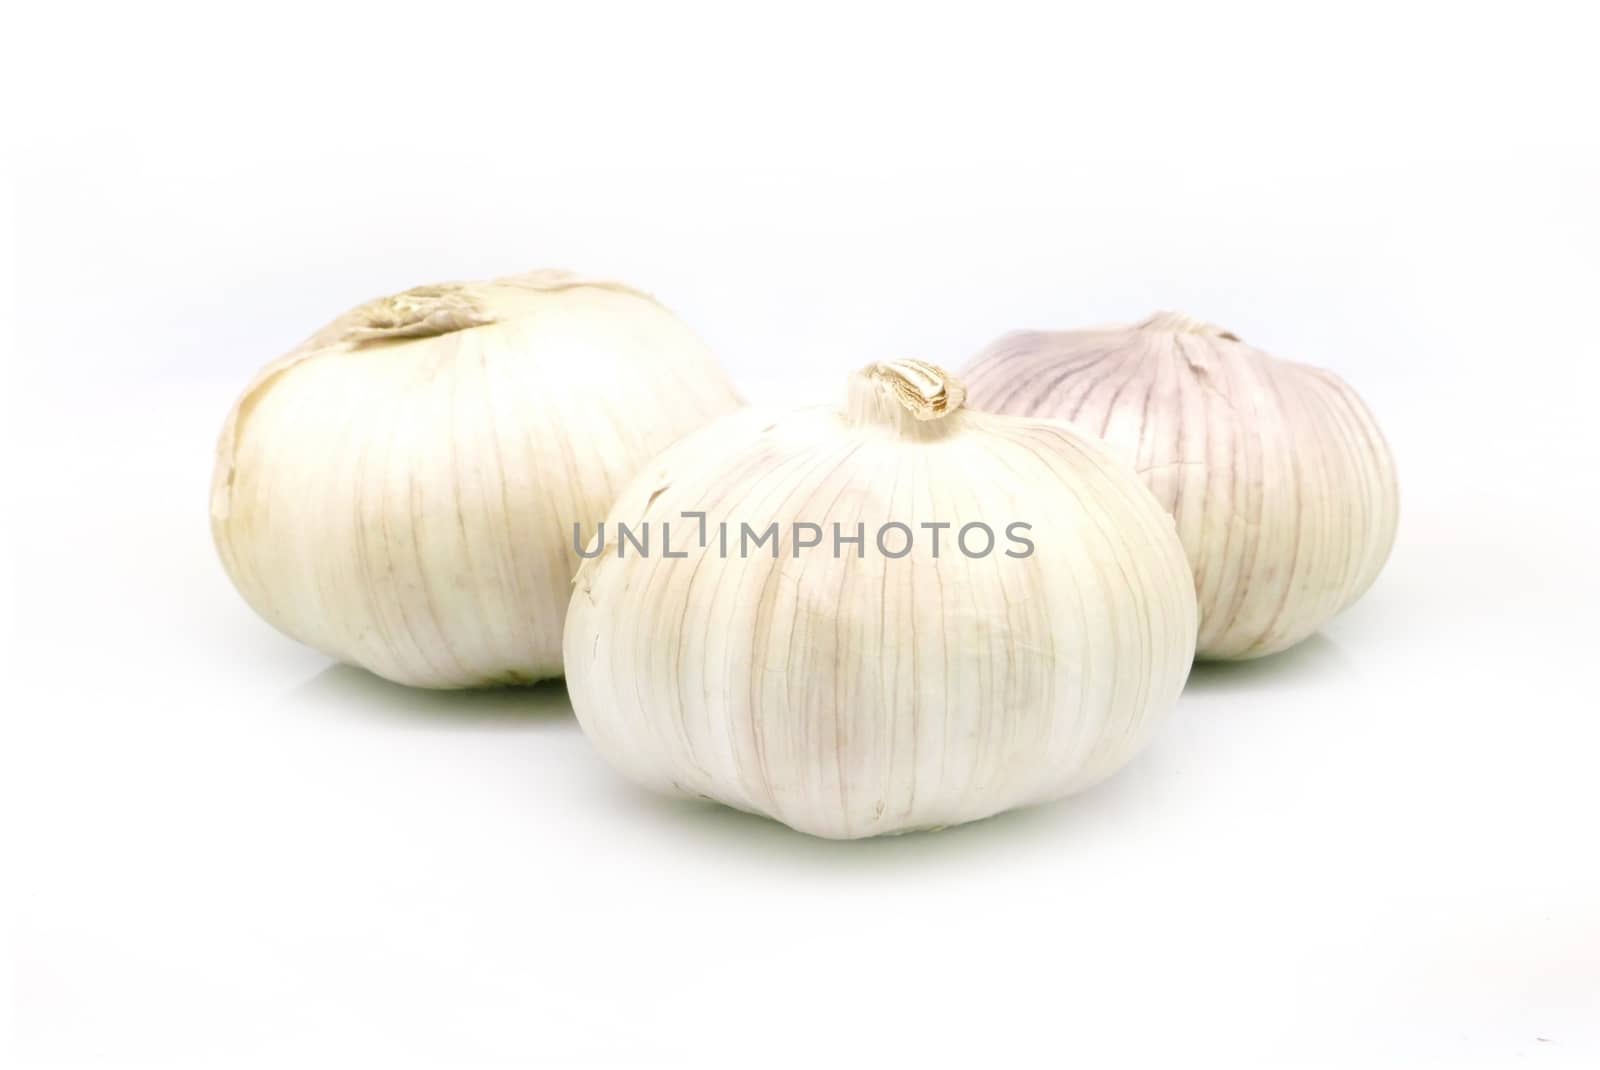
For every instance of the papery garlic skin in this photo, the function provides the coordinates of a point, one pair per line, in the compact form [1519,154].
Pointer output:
[399,491]
[1281,484]
[860,695]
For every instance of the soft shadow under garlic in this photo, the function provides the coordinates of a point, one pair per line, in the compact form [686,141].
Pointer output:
[345,688]
[1127,799]
[1316,659]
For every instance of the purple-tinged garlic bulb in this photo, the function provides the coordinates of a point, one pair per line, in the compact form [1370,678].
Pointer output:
[1279,481]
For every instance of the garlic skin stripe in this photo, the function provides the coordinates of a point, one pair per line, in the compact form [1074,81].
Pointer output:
[399,491]
[1281,484]
[863,694]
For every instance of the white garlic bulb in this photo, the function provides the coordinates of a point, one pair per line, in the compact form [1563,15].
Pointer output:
[399,491]
[1280,482]
[901,615]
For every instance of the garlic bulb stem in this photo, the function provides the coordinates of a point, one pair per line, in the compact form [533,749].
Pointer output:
[890,391]
[1179,323]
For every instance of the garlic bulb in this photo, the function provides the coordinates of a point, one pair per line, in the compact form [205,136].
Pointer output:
[1280,482]
[901,615]
[399,491]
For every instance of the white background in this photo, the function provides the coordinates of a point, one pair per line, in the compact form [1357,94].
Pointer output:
[1379,848]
